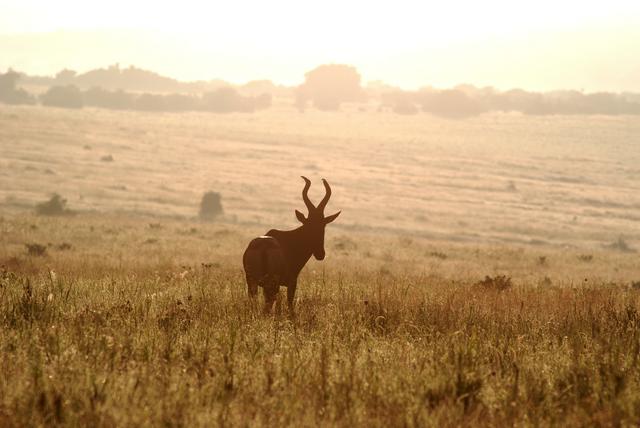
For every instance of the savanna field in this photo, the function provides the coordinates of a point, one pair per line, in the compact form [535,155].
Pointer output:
[483,272]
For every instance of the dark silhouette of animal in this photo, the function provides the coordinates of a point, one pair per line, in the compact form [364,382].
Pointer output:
[276,259]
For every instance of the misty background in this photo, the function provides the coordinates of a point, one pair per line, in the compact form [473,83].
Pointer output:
[472,123]
[538,46]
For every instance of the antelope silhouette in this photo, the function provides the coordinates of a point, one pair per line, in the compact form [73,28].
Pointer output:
[276,259]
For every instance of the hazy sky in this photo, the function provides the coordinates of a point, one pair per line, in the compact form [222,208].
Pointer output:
[544,44]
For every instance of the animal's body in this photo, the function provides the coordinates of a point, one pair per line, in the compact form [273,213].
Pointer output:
[264,264]
[276,259]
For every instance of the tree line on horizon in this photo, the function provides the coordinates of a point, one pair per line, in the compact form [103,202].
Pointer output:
[467,101]
[67,95]
[326,88]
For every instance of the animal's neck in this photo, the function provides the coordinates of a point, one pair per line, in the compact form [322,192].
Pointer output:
[297,246]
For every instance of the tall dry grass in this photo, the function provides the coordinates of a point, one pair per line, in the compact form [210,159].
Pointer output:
[149,324]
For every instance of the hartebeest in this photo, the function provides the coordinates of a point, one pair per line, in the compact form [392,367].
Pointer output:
[276,259]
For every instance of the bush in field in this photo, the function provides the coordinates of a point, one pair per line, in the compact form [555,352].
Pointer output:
[150,102]
[400,102]
[262,102]
[406,108]
[116,100]
[210,206]
[66,77]
[9,93]
[451,104]
[621,245]
[8,81]
[54,206]
[36,249]
[226,100]
[18,97]
[63,96]
[585,258]
[499,283]
[180,102]
[327,86]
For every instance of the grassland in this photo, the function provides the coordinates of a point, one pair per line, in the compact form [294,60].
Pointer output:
[150,325]
[496,178]
[136,314]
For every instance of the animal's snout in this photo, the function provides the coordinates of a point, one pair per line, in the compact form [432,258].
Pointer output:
[319,255]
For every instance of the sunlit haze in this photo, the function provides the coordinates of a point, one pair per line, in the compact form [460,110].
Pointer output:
[538,45]
[330,213]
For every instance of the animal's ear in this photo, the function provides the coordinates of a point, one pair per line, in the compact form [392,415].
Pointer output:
[332,217]
[300,217]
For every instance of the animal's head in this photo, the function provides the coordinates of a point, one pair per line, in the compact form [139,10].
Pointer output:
[315,222]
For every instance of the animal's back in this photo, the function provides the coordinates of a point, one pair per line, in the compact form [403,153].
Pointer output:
[263,259]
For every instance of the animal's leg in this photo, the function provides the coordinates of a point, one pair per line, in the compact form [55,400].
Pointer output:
[278,304]
[291,292]
[252,286]
[270,294]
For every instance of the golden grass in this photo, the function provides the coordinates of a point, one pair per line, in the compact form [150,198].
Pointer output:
[500,178]
[140,325]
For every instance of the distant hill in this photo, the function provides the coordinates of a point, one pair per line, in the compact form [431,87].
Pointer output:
[134,79]
[128,79]
[114,77]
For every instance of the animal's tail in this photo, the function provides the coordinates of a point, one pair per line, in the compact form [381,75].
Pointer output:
[263,259]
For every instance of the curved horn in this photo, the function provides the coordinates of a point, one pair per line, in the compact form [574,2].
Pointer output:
[305,194]
[327,195]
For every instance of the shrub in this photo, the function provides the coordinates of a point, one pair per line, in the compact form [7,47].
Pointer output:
[179,102]
[450,103]
[226,100]
[36,249]
[64,246]
[326,102]
[54,206]
[438,255]
[63,96]
[17,97]
[621,245]
[150,102]
[406,108]
[328,86]
[210,206]
[262,102]
[499,283]
[9,93]
[98,97]
[344,243]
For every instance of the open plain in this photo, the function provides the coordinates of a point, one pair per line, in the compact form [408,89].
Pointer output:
[482,272]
